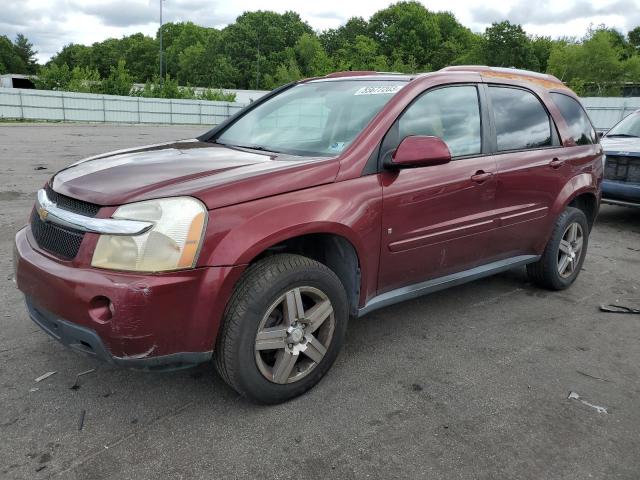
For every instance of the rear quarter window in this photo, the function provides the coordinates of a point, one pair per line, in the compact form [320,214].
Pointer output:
[580,127]
[522,123]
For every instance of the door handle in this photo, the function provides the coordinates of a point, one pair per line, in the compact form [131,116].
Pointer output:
[556,163]
[481,176]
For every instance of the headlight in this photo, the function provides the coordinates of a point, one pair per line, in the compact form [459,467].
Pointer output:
[172,243]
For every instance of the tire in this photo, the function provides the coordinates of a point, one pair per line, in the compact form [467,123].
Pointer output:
[274,344]
[546,272]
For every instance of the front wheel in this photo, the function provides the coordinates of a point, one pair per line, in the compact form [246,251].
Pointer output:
[283,328]
[564,254]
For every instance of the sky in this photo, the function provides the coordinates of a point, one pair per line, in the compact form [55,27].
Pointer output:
[51,24]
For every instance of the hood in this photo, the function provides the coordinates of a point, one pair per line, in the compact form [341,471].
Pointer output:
[215,174]
[621,145]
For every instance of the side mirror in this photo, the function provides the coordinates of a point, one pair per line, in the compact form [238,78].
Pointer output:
[420,151]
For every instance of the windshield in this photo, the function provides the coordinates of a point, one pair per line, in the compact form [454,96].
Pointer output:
[629,127]
[309,119]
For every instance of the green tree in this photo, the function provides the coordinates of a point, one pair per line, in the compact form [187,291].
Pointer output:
[404,30]
[507,45]
[78,79]
[285,73]
[631,69]
[103,55]
[53,77]
[590,67]
[10,61]
[363,54]
[119,81]
[634,38]
[24,49]
[203,67]
[168,88]
[457,41]
[256,44]
[84,80]
[311,56]
[542,49]
[72,55]
[177,38]
[141,55]
[334,40]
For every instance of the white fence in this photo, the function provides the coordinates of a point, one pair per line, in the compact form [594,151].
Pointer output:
[23,104]
[605,112]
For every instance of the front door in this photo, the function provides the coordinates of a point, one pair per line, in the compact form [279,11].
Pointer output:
[436,220]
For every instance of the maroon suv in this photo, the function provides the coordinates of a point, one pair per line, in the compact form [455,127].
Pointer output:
[326,199]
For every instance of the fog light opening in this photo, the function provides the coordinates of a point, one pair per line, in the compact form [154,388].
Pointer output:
[101,309]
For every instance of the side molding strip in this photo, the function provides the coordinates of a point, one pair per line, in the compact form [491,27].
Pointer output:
[436,284]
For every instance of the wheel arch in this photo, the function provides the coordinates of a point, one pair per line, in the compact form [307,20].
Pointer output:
[588,203]
[333,250]
[580,191]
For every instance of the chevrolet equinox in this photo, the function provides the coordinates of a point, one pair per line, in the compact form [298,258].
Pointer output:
[326,199]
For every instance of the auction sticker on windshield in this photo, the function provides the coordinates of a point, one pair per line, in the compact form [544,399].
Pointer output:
[378,90]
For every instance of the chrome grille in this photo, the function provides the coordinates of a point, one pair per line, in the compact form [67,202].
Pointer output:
[72,204]
[60,241]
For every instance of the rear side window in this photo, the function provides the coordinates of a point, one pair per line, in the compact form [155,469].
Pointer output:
[579,125]
[521,121]
[451,113]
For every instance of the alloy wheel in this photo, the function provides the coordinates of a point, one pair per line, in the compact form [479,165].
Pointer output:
[294,335]
[570,249]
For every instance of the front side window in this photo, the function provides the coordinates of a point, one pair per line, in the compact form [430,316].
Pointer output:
[451,113]
[629,127]
[580,127]
[315,118]
[521,120]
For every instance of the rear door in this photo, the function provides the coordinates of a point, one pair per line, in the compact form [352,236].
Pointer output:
[532,169]
[437,219]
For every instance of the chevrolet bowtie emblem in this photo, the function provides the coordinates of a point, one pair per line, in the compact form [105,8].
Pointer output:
[42,213]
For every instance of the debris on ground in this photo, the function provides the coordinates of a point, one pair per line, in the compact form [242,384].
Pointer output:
[592,376]
[34,389]
[575,396]
[40,167]
[619,309]
[81,422]
[45,376]
[76,384]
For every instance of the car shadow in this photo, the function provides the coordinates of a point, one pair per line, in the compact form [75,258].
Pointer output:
[619,217]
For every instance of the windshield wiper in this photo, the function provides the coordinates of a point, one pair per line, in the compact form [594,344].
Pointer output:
[622,135]
[250,147]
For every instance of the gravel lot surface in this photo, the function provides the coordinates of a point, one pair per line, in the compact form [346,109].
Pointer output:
[472,382]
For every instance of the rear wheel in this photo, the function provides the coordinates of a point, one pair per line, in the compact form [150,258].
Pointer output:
[564,254]
[283,328]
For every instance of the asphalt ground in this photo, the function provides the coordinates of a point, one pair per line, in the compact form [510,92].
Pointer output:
[472,382]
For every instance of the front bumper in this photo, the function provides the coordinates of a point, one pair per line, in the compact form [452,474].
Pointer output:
[620,193]
[87,341]
[166,320]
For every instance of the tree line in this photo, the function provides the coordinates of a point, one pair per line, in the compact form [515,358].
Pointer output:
[264,49]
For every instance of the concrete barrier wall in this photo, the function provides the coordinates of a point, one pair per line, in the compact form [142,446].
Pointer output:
[23,104]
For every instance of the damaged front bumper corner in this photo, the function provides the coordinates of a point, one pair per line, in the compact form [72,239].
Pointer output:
[87,341]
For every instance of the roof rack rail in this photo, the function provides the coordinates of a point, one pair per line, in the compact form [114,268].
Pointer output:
[514,73]
[351,73]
